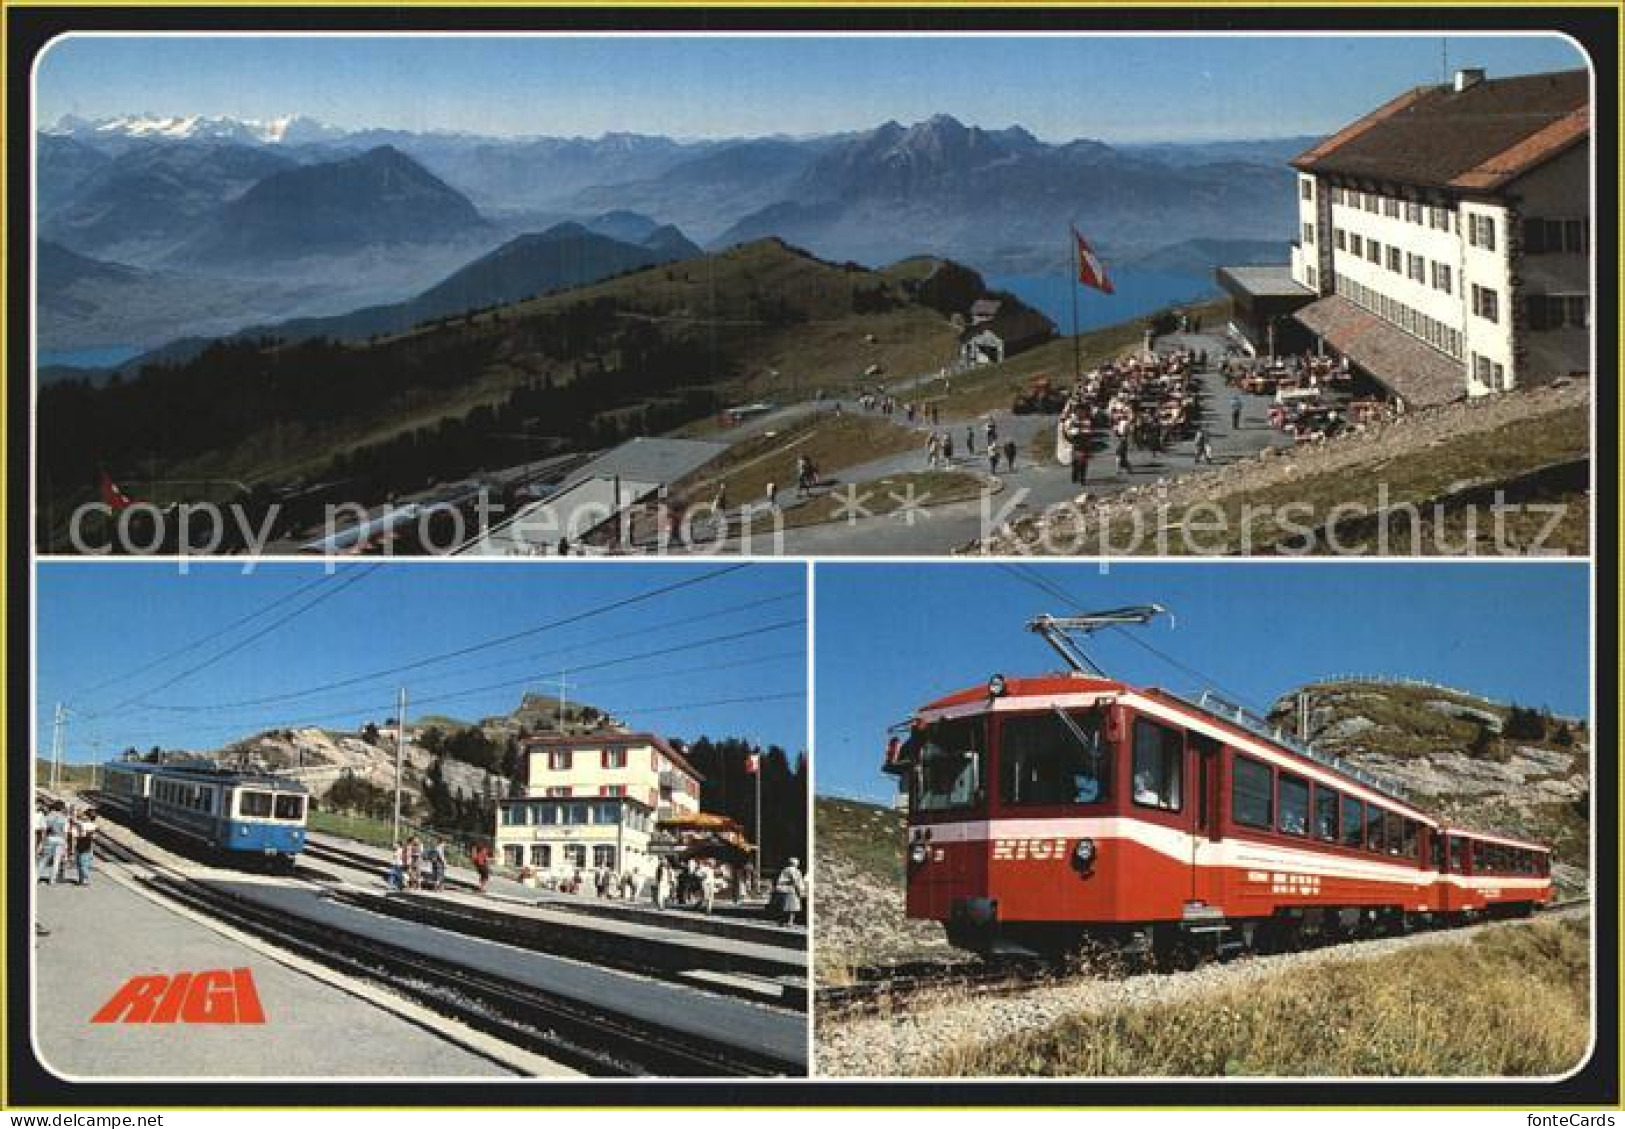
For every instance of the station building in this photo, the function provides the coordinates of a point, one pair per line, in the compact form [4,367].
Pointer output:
[592,800]
[1444,239]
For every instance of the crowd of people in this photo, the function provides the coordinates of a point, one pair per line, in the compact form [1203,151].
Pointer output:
[1145,401]
[693,882]
[940,449]
[419,867]
[64,834]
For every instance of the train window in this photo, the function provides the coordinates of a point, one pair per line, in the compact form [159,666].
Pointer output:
[1481,863]
[1373,827]
[1407,838]
[254,805]
[1325,814]
[1159,766]
[290,807]
[1393,833]
[952,766]
[1353,822]
[1294,805]
[1458,855]
[1252,793]
[1436,850]
[1052,758]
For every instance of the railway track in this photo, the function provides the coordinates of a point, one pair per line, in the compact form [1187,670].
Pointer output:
[888,987]
[592,1039]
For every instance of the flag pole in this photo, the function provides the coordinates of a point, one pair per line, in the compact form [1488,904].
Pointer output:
[1072,285]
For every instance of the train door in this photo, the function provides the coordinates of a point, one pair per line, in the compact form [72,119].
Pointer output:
[1203,758]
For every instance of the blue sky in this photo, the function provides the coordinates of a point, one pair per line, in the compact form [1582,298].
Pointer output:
[98,623]
[1112,88]
[891,638]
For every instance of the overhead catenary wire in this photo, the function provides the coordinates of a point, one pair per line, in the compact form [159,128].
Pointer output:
[1032,577]
[483,645]
[219,656]
[531,659]
[206,638]
[677,648]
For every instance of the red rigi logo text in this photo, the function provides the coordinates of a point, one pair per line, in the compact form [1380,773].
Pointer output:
[217,996]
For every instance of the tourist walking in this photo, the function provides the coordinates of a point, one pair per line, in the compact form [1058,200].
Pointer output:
[1235,413]
[54,845]
[84,844]
[1204,448]
[1123,464]
[788,891]
[1010,455]
[481,858]
[437,864]
[970,439]
[993,459]
[662,886]
[1080,463]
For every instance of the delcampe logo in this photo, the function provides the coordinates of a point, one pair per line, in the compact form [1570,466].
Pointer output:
[217,996]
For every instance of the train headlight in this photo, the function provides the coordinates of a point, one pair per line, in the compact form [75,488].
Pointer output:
[918,854]
[1084,853]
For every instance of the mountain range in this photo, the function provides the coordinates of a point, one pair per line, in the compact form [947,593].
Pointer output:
[350,219]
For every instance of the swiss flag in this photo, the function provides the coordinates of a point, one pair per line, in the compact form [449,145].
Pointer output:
[112,497]
[753,764]
[1091,271]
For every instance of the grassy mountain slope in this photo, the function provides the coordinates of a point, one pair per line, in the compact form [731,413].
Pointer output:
[670,342]
[858,863]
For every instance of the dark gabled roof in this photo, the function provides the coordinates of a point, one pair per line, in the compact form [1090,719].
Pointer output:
[1477,139]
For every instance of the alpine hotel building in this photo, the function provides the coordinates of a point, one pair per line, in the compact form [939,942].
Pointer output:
[1445,239]
[593,801]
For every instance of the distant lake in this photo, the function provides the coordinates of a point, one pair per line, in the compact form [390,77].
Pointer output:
[105,356]
[1138,293]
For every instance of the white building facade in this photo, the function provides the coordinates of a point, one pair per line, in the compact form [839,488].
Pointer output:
[591,802]
[1460,217]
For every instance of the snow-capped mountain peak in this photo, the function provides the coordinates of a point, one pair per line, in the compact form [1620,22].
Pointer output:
[288,129]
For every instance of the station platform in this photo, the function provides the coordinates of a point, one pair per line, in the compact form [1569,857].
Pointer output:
[747,921]
[102,935]
[677,1007]
[654,946]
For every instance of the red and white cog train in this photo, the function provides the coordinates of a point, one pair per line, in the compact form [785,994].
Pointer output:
[1050,813]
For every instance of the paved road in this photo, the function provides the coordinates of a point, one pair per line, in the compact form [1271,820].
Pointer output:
[1033,485]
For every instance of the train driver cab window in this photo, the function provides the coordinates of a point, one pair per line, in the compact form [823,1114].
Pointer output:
[1252,793]
[254,805]
[1294,816]
[290,807]
[1159,766]
[951,768]
[1058,757]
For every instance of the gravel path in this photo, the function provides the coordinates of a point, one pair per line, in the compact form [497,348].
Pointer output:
[901,1044]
